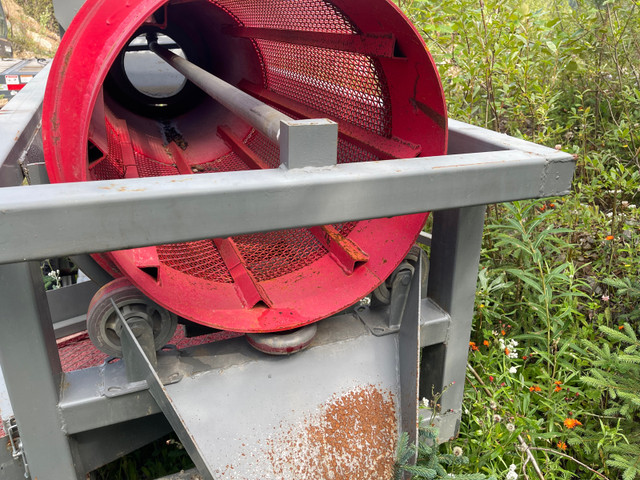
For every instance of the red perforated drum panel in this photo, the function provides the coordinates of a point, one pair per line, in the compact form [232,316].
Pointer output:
[359,63]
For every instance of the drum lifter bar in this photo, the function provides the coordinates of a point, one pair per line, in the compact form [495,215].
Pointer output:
[258,114]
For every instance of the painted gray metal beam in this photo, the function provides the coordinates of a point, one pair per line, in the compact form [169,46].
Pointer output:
[19,127]
[453,272]
[52,220]
[84,406]
[68,307]
[467,138]
[99,447]
[434,323]
[32,372]
[65,10]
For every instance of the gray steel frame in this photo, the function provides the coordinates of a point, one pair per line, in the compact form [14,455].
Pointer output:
[68,426]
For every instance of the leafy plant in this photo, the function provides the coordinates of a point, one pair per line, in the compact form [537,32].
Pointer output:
[431,463]
[616,371]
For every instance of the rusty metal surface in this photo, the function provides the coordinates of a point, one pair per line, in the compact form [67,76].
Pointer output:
[352,435]
[252,416]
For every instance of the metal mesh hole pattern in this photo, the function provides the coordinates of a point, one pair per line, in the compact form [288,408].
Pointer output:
[111,166]
[148,167]
[229,162]
[350,153]
[303,15]
[77,352]
[344,84]
[268,151]
[199,259]
[273,254]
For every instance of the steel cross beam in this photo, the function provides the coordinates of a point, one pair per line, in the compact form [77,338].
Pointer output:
[144,211]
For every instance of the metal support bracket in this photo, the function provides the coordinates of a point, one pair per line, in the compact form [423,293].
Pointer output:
[116,383]
[17,449]
[121,378]
[400,286]
[139,366]
[390,322]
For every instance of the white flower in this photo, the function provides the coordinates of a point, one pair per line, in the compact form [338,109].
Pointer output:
[425,402]
[513,370]
[457,451]
[511,427]
[497,418]
[511,474]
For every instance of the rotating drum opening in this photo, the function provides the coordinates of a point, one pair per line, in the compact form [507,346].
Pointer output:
[148,74]
[358,63]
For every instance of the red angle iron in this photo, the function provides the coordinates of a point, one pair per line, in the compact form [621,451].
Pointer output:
[113,109]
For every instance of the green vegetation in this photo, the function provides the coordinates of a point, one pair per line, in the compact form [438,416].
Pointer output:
[33,28]
[41,11]
[162,457]
[552,390]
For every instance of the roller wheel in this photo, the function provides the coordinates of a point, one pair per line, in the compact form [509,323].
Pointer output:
[382,295]
[283,343]
[102,320]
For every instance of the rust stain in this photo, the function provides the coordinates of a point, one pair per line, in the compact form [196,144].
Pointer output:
[354,437]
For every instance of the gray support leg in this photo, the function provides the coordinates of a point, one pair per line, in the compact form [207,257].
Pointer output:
[33,373]
[455,255]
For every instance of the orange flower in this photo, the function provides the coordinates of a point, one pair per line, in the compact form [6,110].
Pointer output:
[609,237]
[503,332]
[562,446]
[571,422]
[558,382]
[473,346]
[620,327]
[506,351]
[486,343]
[557,389]
[535,388]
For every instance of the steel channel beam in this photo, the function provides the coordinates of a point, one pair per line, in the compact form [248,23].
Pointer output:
[19,129]
[453,272]
[32,372]
[55,220]
[68,307]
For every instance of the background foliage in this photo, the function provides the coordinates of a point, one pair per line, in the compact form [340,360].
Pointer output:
[554,361]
